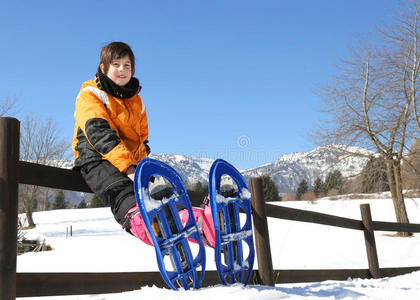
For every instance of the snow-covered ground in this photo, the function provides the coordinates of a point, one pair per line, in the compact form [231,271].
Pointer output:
[97,239]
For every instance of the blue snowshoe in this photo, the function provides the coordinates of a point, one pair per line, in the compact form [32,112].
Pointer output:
[234,247]
[181,264]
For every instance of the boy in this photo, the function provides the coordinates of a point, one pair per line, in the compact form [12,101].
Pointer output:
[111,137]
[111,130]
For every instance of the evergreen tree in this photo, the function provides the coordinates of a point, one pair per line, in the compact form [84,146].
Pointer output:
[334,180]
[59,201]
[95,202]
[269,189]
[302,189]
[82,204]
[318,187]
[374,177]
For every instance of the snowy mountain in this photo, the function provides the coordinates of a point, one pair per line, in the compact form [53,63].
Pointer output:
[290,169]
[190,168]
[286,172]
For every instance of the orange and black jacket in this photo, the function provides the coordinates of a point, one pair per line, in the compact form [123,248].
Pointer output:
[109,128]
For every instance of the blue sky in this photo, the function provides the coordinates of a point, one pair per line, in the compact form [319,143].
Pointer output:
[229,79]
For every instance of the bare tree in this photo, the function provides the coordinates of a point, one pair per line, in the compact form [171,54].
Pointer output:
[40,143]
[8,106]
[405,36]
[370,104]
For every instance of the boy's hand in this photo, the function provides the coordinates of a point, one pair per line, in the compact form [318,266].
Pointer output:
[130,172]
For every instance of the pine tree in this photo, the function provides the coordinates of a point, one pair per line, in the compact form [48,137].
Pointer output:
[59,201]
[374,177]
[96,202]
[302,189]
[82,204]
[318,187]
[333,181]
[269,189]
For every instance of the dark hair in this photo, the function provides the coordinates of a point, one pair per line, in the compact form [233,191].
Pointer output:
[115,50]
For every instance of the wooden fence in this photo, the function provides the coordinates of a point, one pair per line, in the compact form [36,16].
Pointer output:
[12,284]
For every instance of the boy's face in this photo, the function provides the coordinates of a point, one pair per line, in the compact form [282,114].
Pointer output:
[119,71]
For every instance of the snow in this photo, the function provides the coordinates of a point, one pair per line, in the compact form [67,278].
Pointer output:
[222,199]
[150,203]
[97,238]
[243,194]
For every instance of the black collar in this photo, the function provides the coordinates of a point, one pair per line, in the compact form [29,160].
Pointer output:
[122,92]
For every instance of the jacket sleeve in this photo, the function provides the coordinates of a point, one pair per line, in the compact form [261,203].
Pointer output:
[93,119]
[144,129]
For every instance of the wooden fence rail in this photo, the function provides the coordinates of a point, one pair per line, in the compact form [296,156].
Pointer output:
[56,284]
[294,214]
[13,172]
[52,177]
[366,225]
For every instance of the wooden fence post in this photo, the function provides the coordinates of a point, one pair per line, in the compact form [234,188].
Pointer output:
[369,233]
[262,239]
[9,158]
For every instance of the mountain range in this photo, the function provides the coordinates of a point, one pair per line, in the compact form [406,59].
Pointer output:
[290,169]
[286,172]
